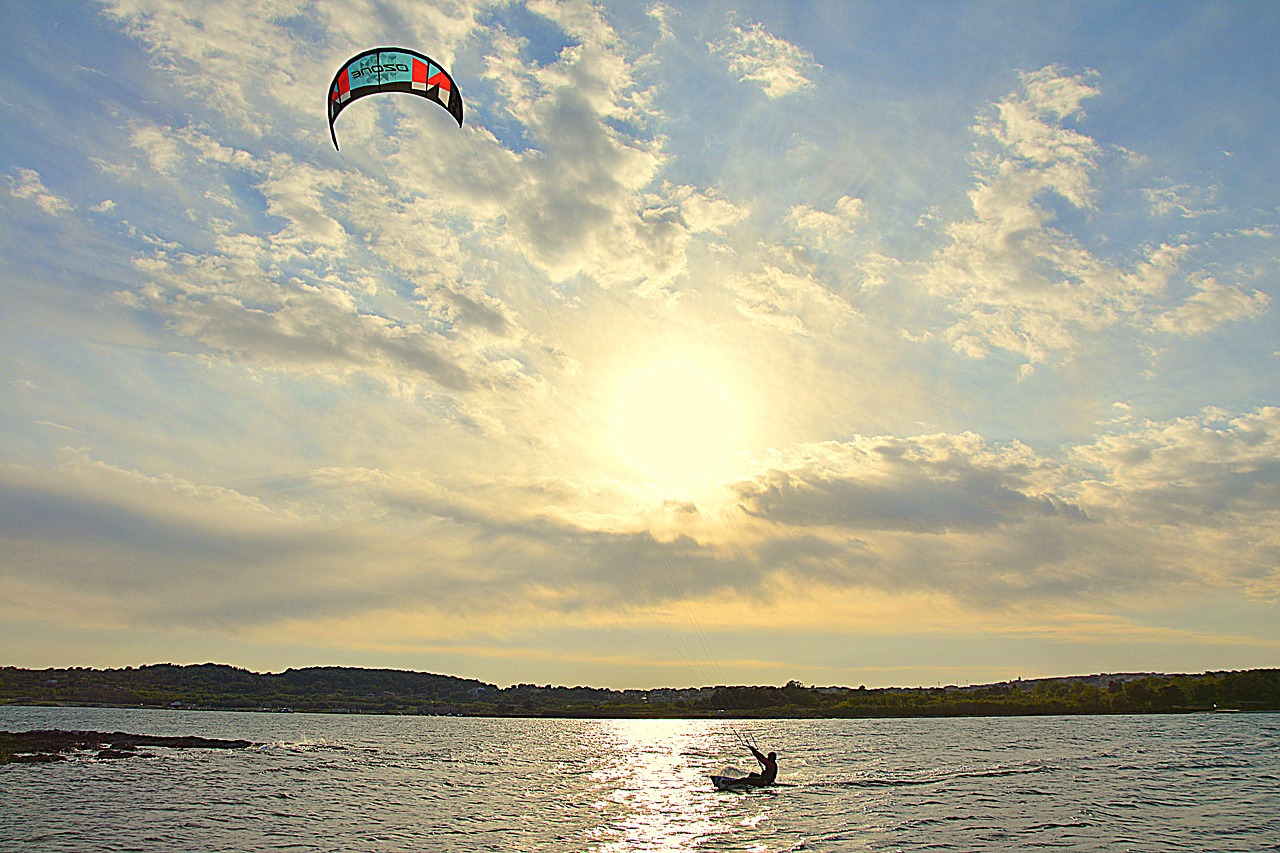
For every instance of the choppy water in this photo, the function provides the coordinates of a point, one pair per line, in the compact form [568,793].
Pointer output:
[391,784]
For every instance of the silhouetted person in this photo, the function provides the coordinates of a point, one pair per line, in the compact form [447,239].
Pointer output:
[768,768]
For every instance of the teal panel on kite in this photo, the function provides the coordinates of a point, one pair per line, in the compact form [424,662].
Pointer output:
[391,69]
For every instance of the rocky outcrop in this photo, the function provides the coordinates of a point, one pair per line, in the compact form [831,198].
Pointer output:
[56,745]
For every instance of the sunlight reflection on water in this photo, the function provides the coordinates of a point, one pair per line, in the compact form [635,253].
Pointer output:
[652,794]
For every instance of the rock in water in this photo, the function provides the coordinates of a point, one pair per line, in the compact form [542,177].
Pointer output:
[56,745]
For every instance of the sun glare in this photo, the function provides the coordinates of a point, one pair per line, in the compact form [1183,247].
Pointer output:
[677,427]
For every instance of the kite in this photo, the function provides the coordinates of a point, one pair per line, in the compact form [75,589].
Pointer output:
[392,69]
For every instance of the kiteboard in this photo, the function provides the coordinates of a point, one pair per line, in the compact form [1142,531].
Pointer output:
[730,783]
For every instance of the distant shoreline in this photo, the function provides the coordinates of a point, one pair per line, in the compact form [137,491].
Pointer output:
[351,690]
[704,715]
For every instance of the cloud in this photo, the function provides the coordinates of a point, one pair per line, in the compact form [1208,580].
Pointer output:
[1183,504]
[1181,200]
[757,56]
[1017,282]
[1029,125]
[951,516]
[120,547]
[1153,508]
[928,484]
[1208,485]
[662,13]
[586,198]
[1203,469]
[344,283]
[791,301]
[117,546]
[704,211]
[1210,306]
[314,330]
[826,228]
[26,184]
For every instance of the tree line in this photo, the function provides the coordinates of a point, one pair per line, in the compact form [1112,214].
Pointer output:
[388,691]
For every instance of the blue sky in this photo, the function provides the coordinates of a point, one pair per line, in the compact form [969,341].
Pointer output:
[850,343]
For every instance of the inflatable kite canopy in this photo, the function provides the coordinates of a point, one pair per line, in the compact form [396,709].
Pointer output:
[391,69]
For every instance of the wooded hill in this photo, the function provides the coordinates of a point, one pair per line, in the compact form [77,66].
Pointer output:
[388,691]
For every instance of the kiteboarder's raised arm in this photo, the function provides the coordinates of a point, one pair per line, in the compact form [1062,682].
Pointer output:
[768,767]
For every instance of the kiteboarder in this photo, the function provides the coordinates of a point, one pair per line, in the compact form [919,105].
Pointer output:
[768,773]
[768,769]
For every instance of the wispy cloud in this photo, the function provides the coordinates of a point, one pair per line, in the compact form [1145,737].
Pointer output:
[1210,306]
[1181,200]
[27,185]
[825,228]
[757,56]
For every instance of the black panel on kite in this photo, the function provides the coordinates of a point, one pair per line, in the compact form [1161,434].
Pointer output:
[392,69]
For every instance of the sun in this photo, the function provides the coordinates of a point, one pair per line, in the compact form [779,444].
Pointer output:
[677,426]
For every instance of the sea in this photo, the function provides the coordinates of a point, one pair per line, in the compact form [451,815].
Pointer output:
[386,784]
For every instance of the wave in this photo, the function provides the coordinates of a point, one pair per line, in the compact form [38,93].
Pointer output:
[297,746]
[931,777]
